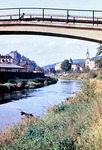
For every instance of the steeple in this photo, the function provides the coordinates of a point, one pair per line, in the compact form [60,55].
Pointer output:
[87,54]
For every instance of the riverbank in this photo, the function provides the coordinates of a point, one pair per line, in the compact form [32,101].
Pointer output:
[77,75]
[20,84]
[67,126]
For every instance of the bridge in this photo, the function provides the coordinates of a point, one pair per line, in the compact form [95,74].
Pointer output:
[67,23]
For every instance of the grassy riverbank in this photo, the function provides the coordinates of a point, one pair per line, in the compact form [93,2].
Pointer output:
[72,125]
[76,75]
[19,84]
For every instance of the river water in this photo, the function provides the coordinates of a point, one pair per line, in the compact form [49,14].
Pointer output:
[34,101]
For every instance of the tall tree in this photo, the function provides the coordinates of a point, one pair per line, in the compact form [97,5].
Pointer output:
[99,50]
[99,53]
[66,65]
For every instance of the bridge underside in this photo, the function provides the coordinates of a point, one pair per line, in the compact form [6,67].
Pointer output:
[83,32]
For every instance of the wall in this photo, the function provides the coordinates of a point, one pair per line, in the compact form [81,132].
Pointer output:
[4,76]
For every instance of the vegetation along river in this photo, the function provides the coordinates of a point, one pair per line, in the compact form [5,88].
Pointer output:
[34,101]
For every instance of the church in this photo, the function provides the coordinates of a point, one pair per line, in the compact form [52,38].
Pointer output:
[89,63]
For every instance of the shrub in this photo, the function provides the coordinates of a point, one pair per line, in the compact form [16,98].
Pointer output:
[99,76]
[11,81]
[87,92]
[92,74]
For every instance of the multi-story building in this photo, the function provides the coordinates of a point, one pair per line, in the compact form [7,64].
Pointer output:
[7,59]
[27,64]
[15,55]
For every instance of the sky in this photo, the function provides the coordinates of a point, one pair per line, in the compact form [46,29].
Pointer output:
[48,50]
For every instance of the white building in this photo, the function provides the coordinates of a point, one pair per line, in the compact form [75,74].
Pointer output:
[90,64]
[58,67]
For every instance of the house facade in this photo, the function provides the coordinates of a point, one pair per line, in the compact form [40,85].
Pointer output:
[7,59]
[58,67]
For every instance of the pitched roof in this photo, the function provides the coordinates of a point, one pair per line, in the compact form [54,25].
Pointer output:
[10,66]
[6,56]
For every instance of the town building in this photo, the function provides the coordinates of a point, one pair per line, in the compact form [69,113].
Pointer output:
[15,56]
[7,59]
[26,63]
[76,67]
[58,67]
[10,67]
[89,63]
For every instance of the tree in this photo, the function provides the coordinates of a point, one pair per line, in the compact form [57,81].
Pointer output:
[99,59]
[99,52]
[99,63]
[71,61]
[66,65]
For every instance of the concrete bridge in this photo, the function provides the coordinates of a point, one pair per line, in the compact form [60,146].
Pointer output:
[77,24]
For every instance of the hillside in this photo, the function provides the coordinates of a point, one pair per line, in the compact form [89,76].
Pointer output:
[53,65]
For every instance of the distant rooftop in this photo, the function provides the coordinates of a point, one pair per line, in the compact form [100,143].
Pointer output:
[10,66]
[5,56]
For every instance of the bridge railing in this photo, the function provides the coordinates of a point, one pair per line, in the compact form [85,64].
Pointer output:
[51,14]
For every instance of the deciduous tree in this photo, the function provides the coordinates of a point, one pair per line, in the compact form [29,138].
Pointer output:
[66,65]
[99,53]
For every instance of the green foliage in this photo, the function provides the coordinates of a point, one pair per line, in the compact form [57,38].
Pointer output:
[66,66]
[92,74]
[87,91]
[19,84]
[65,126]
[99,76]
[99,52]
[11,81]
[60,108]
[99,63]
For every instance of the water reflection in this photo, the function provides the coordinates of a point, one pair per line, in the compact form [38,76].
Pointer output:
[16,95]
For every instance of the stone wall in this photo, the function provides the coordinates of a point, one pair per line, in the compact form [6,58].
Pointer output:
[5,76]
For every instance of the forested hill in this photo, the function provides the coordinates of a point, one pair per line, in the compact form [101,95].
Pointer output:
[53,65]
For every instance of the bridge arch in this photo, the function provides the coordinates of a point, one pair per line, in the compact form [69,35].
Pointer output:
[93,34]
[67,23]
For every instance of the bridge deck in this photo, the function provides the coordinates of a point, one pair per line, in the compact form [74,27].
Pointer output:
[53,18]
[52,15]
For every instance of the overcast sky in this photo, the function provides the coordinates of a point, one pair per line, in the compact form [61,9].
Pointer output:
[47,50]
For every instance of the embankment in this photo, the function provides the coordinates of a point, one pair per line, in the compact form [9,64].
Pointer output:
[5,76]
[20,84]
[74,125]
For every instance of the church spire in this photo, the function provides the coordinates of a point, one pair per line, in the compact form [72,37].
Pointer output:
[87,54]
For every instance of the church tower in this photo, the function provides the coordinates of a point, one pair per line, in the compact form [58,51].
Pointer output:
[87,54]
[87,60]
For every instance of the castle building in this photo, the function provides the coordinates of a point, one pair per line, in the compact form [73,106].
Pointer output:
[15,55]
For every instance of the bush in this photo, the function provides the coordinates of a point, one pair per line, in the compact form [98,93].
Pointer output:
[99,76]
[11,81]
[87,92]
[92,74]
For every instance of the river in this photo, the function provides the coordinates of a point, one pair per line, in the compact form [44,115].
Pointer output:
[34,101]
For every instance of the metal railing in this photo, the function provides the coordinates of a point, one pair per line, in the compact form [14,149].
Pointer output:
[52,15]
